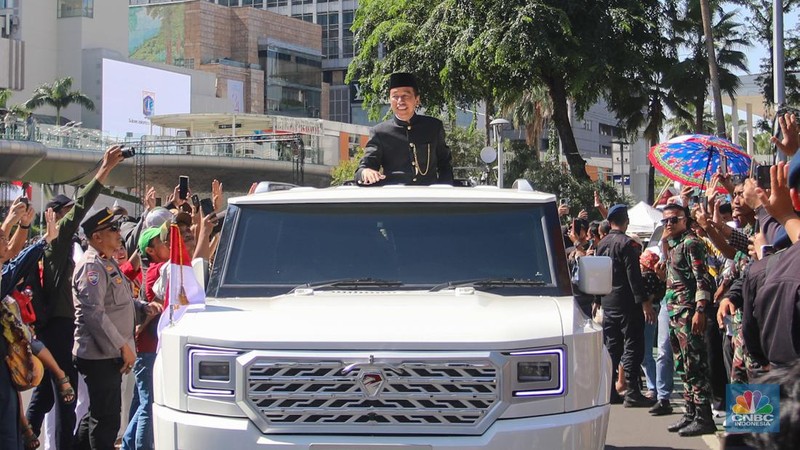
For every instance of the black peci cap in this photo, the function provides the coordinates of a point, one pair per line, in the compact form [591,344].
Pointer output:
[403,79]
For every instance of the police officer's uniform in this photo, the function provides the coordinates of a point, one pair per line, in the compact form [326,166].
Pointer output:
[623,319]
[105,313]
[412,152]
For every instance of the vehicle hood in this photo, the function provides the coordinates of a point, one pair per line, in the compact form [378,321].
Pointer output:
[376,320]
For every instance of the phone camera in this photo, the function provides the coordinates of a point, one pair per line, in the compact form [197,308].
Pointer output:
[128,152]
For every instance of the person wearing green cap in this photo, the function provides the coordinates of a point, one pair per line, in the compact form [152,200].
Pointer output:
[139,434]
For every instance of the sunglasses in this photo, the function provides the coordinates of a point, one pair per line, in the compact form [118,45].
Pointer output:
[672,220]
[112,228]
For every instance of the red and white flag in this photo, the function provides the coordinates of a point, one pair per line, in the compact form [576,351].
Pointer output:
[184,292]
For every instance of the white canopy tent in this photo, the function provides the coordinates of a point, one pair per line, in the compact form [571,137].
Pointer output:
[643,218]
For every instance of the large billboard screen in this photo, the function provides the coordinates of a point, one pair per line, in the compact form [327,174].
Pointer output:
[133,93]
[157,33]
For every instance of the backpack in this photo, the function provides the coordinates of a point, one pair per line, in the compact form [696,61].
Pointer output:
[25,368]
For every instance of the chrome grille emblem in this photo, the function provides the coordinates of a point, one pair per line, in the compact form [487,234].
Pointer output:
[371,383]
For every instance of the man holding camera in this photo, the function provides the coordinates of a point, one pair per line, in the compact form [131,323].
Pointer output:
[53,300]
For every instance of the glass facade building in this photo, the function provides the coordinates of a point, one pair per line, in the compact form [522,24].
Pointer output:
[292,80]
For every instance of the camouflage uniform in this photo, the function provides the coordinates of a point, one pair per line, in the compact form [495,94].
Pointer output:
[688,281]
[741,362]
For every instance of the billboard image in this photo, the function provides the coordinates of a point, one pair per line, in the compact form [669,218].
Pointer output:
[133,93]
[236,95]
[157,33]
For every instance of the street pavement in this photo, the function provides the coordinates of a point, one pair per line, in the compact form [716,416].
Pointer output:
[634,428]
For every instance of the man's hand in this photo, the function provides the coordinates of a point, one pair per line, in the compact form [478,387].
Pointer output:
[15,213]
[27,217]
[725,180]
[52,225]
[779,202]
[175,197]
[649,312]
[370,176]
[216,195]
[686,195]
[726,308]
[583,215]
[153,309]
[128,358]
[150,198]
[661,270]
[698,323]
[790,131]
[749,193]
[700,216]
[563,210]
[111,158]
[598,204]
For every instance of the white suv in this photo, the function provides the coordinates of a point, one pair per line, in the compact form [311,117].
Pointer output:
[397,318]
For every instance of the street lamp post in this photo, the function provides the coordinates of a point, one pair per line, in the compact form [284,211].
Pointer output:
[622,144]
[497,128]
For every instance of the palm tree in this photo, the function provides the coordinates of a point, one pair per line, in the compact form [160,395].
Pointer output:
[530,108]
[59,95]
[5,94]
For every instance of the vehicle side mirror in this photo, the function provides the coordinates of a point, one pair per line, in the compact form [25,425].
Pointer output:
[594,275]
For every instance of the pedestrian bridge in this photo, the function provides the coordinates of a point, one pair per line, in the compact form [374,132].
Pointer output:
[70,155]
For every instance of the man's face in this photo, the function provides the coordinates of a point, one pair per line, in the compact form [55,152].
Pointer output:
[158,249]
[403,101]
[740,207]
[188,237]
[63,212]
[674,222]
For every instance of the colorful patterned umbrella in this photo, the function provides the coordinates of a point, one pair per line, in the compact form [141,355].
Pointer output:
[692,159]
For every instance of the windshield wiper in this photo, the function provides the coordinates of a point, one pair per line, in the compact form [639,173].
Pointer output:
[350,283]
[488,283]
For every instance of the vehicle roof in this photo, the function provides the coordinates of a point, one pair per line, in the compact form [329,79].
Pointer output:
[396,194]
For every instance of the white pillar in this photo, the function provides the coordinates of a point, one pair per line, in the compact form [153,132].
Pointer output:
[749,111]
[735,120]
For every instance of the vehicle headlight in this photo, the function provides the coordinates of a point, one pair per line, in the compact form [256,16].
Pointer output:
[212,371]
[538,372]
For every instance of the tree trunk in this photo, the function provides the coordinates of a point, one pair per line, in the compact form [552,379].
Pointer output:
[558,93]
[713,70]
[490,111]
[699,116]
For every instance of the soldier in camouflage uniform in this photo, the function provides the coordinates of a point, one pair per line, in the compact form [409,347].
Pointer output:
[689,288]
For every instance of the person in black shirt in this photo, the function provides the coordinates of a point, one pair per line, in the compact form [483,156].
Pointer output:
[409,147]
[624,309]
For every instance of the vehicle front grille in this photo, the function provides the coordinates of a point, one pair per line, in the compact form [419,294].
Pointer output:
[384,396]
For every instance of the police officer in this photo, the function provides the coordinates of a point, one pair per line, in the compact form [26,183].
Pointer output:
[625,307]
[409,147]
[105,314]
[689,288]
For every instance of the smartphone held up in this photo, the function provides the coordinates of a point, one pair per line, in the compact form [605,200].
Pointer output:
[183,187]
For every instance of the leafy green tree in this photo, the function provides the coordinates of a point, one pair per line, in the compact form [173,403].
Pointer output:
[59,95]
[760,31]
[694,69]
[5,94]
[346,170]
[548,175]
[465,146]
[467,51]
[530,109]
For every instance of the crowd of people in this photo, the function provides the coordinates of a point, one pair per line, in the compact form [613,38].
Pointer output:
[718,296]
[81,305]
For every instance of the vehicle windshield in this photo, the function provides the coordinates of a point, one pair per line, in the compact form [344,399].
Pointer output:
[400,245]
